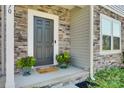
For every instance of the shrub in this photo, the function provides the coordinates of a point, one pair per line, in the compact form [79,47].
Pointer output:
[63,58]
[26,62]
[109,78]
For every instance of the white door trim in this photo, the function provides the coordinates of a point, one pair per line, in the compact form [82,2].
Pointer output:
[31,14]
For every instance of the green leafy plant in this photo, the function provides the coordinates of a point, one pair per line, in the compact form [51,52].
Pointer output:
[26,62]
[109,78]
[63,58]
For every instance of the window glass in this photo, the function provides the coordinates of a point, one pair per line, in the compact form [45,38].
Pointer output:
[106,42]
[106,26]
[116,43]
[116,29]
[116,35]
[106,34]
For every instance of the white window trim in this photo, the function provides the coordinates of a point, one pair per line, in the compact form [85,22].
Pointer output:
[116,12]
[31,14]
[105,52]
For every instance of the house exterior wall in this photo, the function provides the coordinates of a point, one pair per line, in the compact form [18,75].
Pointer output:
[80,37]
[20,36]
[21,19]
[100,61]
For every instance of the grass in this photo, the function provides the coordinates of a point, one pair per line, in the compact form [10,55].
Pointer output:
[109,78]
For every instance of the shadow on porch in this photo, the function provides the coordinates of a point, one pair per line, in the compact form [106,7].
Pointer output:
[57,79]
[2,81]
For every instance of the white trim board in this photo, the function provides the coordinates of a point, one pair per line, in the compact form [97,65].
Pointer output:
[116,12]
[91,42]
[31,14]
[9,46]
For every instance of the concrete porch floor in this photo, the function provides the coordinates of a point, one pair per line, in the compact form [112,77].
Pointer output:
[2,81]
[58,79]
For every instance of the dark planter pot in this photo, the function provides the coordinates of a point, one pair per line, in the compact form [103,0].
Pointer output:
[26,71]
[63,65]
[86,84]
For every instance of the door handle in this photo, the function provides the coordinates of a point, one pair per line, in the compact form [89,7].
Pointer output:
[55,41]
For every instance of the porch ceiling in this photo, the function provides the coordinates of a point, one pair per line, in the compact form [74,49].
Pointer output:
[71,6]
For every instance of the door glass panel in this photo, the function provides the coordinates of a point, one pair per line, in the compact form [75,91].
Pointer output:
[39,34]
[39,52]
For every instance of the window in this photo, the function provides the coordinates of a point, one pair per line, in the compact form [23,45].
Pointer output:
[110,34]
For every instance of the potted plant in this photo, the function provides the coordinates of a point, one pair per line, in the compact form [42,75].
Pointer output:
[63,59]
[26,63]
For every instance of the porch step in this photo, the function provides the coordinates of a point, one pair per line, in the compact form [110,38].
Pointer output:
[64,81]
[61,78]
[68,86]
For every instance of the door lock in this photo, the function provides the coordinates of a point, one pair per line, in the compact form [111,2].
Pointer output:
[55,41]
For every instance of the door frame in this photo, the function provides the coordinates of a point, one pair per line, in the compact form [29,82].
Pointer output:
[30,35]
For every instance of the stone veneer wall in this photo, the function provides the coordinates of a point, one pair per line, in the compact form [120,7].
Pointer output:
[21,27]
[100,61]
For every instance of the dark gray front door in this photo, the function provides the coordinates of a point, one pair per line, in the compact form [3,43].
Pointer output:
[43,41]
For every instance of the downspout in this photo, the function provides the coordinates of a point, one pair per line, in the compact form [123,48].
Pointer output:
[91,42]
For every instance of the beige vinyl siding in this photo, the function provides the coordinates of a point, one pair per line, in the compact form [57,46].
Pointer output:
[80,37]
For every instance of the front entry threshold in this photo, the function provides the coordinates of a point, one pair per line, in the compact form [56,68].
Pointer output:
[45,66]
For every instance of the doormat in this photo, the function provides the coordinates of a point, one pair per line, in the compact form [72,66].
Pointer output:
[46,70]
[85,84]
